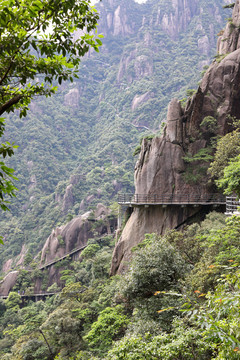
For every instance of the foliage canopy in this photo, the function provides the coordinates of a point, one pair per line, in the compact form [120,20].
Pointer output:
[41,44]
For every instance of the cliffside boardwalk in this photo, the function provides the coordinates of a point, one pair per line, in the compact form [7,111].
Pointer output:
[43,295]
[71,253]
[34,297]
[171,199]
[146,200]
[132,200]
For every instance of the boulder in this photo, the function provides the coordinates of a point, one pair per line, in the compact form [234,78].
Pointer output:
[8,282]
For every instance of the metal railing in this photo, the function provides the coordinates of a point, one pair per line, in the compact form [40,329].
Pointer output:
[74,251]
[26,296]
[232,205]
[168,199]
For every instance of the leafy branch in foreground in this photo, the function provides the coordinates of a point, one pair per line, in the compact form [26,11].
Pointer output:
[41,43]
[6,173]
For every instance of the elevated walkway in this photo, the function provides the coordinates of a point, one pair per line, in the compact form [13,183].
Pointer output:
[43,296]
[34,297]
[169,199]
[71,253]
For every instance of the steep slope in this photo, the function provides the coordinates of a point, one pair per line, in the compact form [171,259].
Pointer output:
[75,149]
[166,164]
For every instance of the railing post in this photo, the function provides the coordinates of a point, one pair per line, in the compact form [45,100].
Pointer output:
[119,217]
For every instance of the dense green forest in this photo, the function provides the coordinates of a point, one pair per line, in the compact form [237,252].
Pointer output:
[86,134]
[179,300]
[180,297]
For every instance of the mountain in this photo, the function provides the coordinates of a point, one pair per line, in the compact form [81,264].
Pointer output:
[175,164]
[75,149]
[163,306]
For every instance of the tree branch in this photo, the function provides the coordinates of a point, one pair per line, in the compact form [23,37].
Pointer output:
[10,103]
[49,348]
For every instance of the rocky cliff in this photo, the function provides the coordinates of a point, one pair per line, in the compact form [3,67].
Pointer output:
[63,240]
[75,234]
[170,17]
[162,167]
[150,53]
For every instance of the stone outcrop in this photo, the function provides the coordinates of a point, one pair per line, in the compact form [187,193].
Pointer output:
[8,282]
[61,242]
[172,18]
[68,199]
[161,168]
[178,16]
[7,266]
[65,238]
[140,99]
[229,40]
[22,255]
[143,66]
[71,99]
[75,234]
[116,18]
[204,45]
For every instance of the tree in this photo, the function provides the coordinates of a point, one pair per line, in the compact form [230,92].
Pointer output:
[154,269]
[230,181]
[182,343]
[110,326]
[219,315]
[227,148]
[41,43]
[13,301]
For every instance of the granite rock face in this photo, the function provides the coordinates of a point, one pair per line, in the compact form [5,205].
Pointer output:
[63,240]
[177,20]
[161,168]
[229,40]
[75,234]
[139,100]
[8,282]
[116,18]
[71,99]
[68,199]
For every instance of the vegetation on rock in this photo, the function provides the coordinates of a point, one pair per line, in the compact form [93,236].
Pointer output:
[185,307]
[37,50]
[84,135]
[180,297]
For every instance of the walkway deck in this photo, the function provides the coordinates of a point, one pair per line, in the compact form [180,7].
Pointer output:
[169,199]
[40,296]
[74,251]
[33,296]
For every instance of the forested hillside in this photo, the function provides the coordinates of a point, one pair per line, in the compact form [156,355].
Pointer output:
[76,148]
[179,297]
[179,300]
